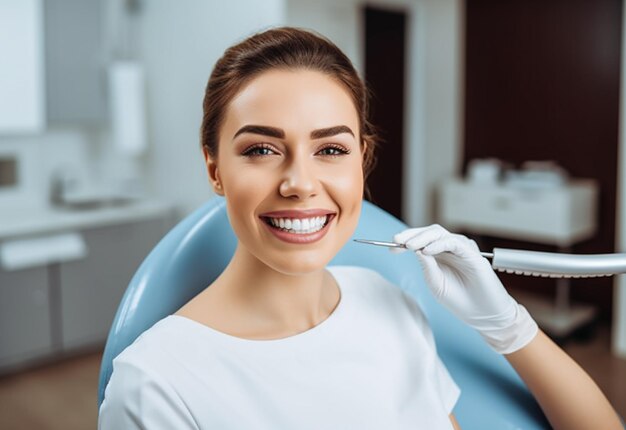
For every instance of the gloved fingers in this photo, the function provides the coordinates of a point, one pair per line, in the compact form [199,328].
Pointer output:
[454,244]
[397,250]
[432,271]
[415,239]
[405,235]
[418,238]
[472,243]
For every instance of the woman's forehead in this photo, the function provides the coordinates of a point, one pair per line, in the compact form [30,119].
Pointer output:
[302,97]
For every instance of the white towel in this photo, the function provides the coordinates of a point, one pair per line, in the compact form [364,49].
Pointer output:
[128,107]
[39,251]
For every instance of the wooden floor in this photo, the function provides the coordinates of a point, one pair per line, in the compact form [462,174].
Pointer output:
[63,395]
[58,396]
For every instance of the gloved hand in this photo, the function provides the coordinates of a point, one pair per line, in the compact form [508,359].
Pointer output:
[465,283]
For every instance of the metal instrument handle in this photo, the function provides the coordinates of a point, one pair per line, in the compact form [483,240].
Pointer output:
[575,265]
[545,264]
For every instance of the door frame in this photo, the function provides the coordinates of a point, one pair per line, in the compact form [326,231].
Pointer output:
[433,123]
[619,283]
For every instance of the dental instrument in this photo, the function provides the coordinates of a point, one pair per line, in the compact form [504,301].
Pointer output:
[544,264]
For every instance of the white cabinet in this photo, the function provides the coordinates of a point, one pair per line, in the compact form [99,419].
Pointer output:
[75,60]
[25,320]
[91,289]
[22,102]
[558,216]
[60,308]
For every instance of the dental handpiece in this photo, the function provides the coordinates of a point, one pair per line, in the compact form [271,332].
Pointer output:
[544,264]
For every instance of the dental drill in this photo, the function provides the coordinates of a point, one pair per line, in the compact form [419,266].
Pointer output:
[544,264]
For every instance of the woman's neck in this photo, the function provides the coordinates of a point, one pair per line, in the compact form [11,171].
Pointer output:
[296,302]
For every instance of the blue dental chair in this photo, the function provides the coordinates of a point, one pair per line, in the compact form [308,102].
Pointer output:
[196,251]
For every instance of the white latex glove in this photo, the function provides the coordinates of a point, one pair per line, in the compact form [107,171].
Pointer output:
[465,283]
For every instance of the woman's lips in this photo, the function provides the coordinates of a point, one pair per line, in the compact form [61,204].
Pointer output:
[302,238]
[298,213]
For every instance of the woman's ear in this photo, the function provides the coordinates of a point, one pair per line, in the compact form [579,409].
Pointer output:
[364,155]
[214,175]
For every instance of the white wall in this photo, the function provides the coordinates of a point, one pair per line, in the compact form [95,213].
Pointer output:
[340,21]
[434,107]
[39,156]
[179,44]
[439,67]
[619,284]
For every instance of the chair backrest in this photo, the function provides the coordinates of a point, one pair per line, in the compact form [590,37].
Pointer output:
[196,251]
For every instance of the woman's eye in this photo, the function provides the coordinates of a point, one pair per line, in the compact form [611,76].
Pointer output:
[334,151]
[257,151]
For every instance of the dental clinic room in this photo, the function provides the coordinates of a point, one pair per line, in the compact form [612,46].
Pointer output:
[292,214]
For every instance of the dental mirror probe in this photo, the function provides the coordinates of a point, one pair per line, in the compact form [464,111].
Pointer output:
[544,264]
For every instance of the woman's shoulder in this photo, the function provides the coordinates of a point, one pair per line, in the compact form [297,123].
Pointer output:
[149,347]
[142,388]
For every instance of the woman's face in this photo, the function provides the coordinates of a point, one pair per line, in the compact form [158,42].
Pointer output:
[290,142]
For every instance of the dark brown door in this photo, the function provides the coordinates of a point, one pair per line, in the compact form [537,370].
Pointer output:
[384,74]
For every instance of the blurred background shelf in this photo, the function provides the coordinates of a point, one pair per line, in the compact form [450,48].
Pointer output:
[560,216]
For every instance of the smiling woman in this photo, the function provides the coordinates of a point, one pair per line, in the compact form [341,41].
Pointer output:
[286,144]
[280,340]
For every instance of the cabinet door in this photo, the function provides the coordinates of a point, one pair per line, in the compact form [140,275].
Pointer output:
[91,289]
[25,326]
[21,74]
[75,78]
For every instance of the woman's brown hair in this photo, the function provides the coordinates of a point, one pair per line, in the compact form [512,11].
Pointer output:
[286,48]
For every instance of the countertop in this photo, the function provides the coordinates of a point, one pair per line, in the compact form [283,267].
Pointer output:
[41,220]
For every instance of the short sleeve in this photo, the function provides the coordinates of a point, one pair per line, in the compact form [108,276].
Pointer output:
[134,399]
[448,390]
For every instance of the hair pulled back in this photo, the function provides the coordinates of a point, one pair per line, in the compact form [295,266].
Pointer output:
[282,48]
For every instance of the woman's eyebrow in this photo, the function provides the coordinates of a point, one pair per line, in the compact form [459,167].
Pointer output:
[280,134]
[261,129]
[330,131]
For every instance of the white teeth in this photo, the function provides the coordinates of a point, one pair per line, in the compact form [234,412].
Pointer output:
[301,226]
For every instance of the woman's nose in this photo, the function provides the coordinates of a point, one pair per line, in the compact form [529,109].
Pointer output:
[299,181]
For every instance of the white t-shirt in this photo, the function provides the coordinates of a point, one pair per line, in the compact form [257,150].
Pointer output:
[371,364]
